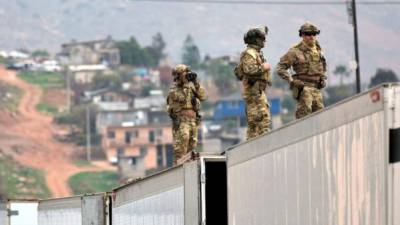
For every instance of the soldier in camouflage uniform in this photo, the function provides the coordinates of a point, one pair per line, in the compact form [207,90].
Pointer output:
[183,105]
[255,75]
[309,65]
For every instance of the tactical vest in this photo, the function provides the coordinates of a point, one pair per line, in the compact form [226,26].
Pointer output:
[309,62]
[174,107]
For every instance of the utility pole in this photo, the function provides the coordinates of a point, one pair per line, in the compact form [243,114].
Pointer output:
[88,138]
[351,9]
[68,77]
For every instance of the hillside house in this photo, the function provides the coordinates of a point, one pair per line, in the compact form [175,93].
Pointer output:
[91,53]
[110,99]
[151,143]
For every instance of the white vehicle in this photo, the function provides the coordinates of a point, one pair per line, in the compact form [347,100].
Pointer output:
[51,66]
[338,166]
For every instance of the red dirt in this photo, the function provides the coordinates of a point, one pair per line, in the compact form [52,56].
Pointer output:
[29,139]
[55,97]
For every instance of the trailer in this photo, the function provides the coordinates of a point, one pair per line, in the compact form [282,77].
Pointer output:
[338,166]
[190,194]
[22,212]
[78,210]
[3,213]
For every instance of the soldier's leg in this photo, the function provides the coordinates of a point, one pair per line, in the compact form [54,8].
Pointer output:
[304,104]
[181,141]
[193,140]
[252,114]
[318,100]
[175,144]
[265,122]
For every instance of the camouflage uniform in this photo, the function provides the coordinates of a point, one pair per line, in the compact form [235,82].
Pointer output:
[183,104]
[309,66]
[255,81]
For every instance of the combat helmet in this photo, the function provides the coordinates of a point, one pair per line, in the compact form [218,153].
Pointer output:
[254,35]
[308,28]
[180,69]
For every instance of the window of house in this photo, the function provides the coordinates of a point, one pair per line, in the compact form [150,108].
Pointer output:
[128,137]
[111,134]
[120,152]
[159,132]
[151,136]
[133,161]
[160,157]
[170,155]
[136,133]
[143,151]
[234,104]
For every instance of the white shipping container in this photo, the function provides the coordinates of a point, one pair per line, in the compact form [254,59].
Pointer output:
[78,210]
[185,195]
[62,211]
[339,166]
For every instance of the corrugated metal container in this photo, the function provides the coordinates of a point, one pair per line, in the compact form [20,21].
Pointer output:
[188,194]
[78,210]
[331,168]
[3,213]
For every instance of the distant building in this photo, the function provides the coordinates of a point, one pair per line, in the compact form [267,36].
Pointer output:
[132,117]
[234,107]
[131,167]
[91,53]
[109,99]
[155,101]
[144,147]
[125,108]
[230,112]
[84,74]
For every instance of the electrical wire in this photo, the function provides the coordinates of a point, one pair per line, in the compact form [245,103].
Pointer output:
[255,2]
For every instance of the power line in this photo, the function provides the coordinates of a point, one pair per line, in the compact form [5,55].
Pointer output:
[255,2]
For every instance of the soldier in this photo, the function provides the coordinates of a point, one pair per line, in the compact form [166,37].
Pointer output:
[183,105]
[309,65]
[255,75]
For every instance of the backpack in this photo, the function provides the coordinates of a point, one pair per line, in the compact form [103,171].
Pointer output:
[239,71]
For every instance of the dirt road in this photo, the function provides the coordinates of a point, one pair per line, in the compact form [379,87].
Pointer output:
[30,139]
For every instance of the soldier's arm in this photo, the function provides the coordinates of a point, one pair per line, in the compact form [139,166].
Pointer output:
[177,96]
[324,77]
[251,66]
[284,64]
[201,92]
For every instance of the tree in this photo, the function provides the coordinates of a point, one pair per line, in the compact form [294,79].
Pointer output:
[277,81]
[191,53]
[156,50]
[342,71]
[106,81]
[222,75]
[383,76]
[133,54]
[146,88]
[130,52]
[40,53]
[338,93]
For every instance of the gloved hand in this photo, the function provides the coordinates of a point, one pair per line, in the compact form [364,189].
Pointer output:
[322,83]
[296,83]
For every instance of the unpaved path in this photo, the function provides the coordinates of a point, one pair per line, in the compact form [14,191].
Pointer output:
[30,140]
